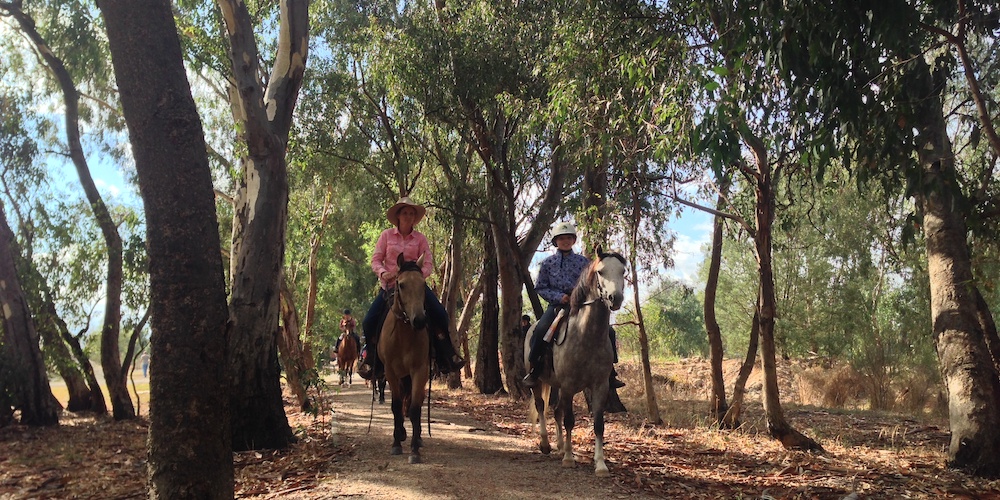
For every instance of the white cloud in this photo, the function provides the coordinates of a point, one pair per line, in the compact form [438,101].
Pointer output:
[106,187]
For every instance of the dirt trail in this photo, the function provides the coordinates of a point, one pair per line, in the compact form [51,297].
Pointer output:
[462,458]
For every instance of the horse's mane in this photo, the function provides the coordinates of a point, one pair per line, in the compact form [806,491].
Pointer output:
[586,281]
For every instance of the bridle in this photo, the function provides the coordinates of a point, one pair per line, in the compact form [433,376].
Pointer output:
[602,294]
[397,307]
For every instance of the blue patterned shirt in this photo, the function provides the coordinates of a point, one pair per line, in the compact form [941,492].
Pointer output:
[558,275]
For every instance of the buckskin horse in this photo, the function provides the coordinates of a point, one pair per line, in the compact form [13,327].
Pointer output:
[582,359]
[404,347]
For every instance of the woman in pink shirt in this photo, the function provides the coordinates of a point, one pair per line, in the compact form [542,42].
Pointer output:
[404,239]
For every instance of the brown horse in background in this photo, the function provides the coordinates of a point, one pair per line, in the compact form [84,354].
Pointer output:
[404,347]
[347,356]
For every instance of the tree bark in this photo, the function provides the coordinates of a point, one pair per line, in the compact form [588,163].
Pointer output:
[466,318]
[97,403]
[53,332]
[777,426]
[121,402]
[189,437]
[719,405]
[487,375]
[966,365]
[290,347]
[260,219]
[732,417]
[20,353]
[314,246]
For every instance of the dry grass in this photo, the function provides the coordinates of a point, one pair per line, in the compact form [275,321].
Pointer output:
[873,454]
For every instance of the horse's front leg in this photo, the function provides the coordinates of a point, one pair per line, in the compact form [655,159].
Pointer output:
[543,432]
[416,401]
[599,399]
[398,431]
[557,414]
[568,421]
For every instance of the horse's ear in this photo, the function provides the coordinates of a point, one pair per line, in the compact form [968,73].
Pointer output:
[420,261]
[400,260]
[599,250]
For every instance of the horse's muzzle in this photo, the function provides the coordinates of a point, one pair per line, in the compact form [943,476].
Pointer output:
[419,322]
[614,300]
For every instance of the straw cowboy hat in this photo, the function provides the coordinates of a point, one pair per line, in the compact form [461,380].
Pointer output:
[393,213]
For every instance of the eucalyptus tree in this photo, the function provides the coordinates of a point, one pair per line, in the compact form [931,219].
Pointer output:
[24,385]
[897,119]
[70,61]
[190,453]
[493,61]
[25,192]
[262,111]
[742,129]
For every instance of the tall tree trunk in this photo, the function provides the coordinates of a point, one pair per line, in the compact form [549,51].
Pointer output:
[466,318]
[290,347]
[652,408]
[487,376]
[964,356]
[97,403]
[189,437]
[777,426]
[121,402]
[452,290]
[732,417]
[314,246]
[19,350]
[719,406]
[260,218]
[53,330]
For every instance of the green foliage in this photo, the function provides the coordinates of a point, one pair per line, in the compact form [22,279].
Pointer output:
[675,321]
[845,289]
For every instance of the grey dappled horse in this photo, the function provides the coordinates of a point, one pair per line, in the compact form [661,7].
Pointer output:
[582,358]
[403,348]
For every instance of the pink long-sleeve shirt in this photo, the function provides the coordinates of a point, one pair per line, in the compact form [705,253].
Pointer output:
[388,247]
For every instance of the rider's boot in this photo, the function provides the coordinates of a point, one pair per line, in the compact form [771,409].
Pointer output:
[370,365]
[535,356]
[446,357]
[613,381]
[531,379]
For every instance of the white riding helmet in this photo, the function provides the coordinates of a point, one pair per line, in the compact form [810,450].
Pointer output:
[563,228]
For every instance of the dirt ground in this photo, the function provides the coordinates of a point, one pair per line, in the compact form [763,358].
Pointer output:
[462,458]
[480,446]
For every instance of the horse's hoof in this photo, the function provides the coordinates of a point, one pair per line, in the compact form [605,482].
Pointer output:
[397,450]
[545,449]
[415,459]
[568,463]
[602,472]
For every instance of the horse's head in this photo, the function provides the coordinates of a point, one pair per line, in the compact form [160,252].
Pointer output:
[609,273]
[410,292]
